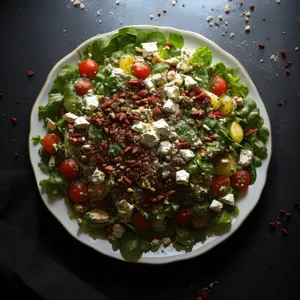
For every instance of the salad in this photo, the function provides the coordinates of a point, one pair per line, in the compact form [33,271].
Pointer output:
[149,142]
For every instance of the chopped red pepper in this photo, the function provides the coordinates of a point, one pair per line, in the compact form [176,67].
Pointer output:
[273,224]
[14,120]
[280,103]
[287,71]
[252,6]
[261,46]
[283,52]
[30,73]
[288,215]
[284,231]
[250,131]
[16,154]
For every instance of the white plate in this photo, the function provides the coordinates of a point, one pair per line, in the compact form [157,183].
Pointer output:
[59,208]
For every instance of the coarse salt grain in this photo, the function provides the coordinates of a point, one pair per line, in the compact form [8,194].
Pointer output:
[227,9]
[247,28]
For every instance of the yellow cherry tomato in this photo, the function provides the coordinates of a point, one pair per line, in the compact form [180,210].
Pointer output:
[226,105]
[236,132]
[214,100]
[126,62]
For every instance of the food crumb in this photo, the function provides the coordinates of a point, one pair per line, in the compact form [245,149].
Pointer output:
[288,72]
[173,3]
[278,1]
[297,49]
[158,14]
[209,18]
[30,73]
[283,52]
[252,6]
[227,9]
[247,28]
[151,17]
[117,2]
[16,154]
[280,103]
[164,11]
[261,46]
[284,231]
[82,6]
[232,35]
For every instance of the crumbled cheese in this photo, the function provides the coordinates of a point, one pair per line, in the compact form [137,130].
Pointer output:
[97,177]
[182,177]
[238,100]
[91,101]
[248,13]
[247,28]
[165,147]
[172,92]
[162,128]
[245,158]
[174,3]
[187,154]
[170,106]
[232,35]
[209,18]
[150,138]
[70,118]
[184,67]
[166,241]
[227,9]
[98,215]
[76,3]
[50,124]
[228,199]
[216,206]
[82,6]
[81,123]
[118,72]
[173,61]
[51,163]
[165,174]
[149,84]
[189,82]
[174,78]
[149,49]
[118,231]
[125,210]
[158,79]
[140,127]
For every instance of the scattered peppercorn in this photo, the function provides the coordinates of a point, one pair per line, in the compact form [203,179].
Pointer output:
[287,71]
[252,6]
[158,14]
[164,11]
[261,46]
[183,5]
[284,231]
[30,73]
[16,154]
[283,52]
[241,3]
[14,120]
[280,103]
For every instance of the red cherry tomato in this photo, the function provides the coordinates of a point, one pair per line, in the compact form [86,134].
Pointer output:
[218,86]
[82,86]
[240,180]
[78,192]
[182,217]
[50,140]
[88,68]
[69,169]
[141,70]
[139,222]
[220,185]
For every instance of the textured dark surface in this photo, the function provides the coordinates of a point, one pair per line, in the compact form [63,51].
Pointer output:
[254,263]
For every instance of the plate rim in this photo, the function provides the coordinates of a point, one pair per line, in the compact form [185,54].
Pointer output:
[218,239]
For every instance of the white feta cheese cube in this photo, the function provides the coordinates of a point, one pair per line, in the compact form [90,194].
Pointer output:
[206,127]
[149,84]
[245,158]
[182,177]
[228,199]
[158,79]
[149,49]
[98,215]
[174,79]
[139,127]
[165,147]
[184,67]
[170,106]
[216,206]
[238,101]
[150,138]
[187,154]
[189,82]
[50,124]
[91,102]
[118,72]
[81,123]
[172,92]
[173,61]
[118,231]
[70,118]
[125,210]
[86,147]
[97,177]
[162,127]
[51,163]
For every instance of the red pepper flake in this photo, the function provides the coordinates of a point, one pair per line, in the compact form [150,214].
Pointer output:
[16,154]
[280,103]
[183,5]
[250,131]
[283,52]
[261,46]
[1,95]
[183,94]
[252,6]
[281,212]
[30,73]
[284,231]
[288,215]
[287,71]
[273,225]
[168,45]
[14,120]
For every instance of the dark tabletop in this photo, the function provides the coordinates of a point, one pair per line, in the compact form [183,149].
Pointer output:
[255,263]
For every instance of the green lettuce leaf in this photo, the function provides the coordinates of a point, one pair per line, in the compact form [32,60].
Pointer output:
[151,36]
[52,109]
[54,185]
[202,55]
[37,140]
[176,39]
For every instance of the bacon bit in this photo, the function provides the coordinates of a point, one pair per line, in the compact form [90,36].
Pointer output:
[273,225]
[283,52]
[16,154]
[287,71]
[110,168]
[250,131]
[172,69]
[218,115]
[121,116]
[289,63]
[158,198]
[136,149]
[208,139]
[183,145]
[127,180]
[136,165]
[14,120]
[100,161]
[202,96]
[30,73]
[261,46]
[280,103]
[288,215]
[127,149]
[281,212]
[106,104]
[143,93]
[126,122]
[251,6]
[133,117]
[284,231]
[135,83]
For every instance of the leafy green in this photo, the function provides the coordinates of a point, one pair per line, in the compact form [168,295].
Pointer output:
[176,39]
[61,83]
[200,74]
[205,165]
[193,167]
[114,242]
[144,245]
[186,132]
[159,68]
[45,156]
[129,242]
[37,140]
[151,36]
[222,218]
[229,74]
[94,133]
[167,53]
[73,103]
[53,107]
[130,31]
[114,150]
[263,134]
[170,206]
[55,184]
[44,167]
[202,55]
[252,172]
